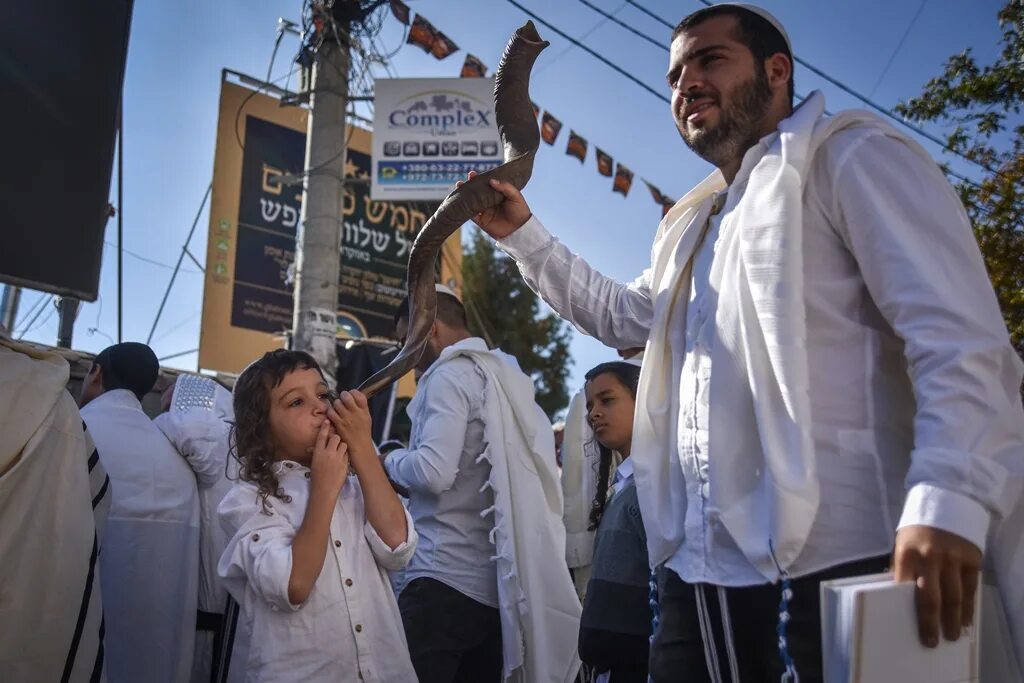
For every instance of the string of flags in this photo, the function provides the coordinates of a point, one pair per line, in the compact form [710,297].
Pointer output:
[424,35]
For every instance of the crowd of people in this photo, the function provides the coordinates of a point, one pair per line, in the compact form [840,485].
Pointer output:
[801,396]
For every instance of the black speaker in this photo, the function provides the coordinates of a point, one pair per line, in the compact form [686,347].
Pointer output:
[61,70]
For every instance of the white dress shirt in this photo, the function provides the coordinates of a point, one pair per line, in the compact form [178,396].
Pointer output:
[913,382]
[445,482]
[349,628]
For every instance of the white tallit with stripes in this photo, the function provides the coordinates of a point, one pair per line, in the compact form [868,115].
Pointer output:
[54,496]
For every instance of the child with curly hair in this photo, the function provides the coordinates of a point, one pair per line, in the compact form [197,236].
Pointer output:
[314,525]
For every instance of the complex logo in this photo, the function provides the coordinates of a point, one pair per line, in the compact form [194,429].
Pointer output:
[440,113]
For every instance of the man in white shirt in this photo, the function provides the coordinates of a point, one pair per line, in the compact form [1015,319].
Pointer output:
[860,402]
[451,604]
[150,559]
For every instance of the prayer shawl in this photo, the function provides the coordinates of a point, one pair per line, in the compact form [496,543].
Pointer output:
[198,425]
[150,558]
[540,613]
[765,303]
[762,303]
[51,524]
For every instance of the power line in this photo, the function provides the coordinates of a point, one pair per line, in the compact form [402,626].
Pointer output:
[888,113]
[896,50]
[618,69]
[623,24]
[547,64]
[150,261]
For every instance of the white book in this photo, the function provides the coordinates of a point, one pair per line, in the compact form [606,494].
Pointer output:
[869,635]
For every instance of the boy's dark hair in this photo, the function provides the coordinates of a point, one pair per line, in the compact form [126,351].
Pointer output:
[628,376]
[754,31]
[250,443]
[128,365]
[450,311]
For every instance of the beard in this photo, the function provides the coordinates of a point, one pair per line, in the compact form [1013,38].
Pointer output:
[739,125]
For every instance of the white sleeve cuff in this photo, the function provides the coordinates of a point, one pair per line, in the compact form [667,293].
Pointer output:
[527,240]
[929,505]
[392,559]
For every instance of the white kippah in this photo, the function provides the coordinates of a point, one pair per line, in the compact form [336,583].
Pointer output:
[443,289]
[761,12]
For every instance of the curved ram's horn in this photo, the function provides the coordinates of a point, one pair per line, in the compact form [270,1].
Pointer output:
[517,125]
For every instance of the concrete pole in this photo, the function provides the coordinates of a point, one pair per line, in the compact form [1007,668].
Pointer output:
[318,247]
[9,307]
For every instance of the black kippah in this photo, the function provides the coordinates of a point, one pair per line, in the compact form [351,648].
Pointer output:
[129,365]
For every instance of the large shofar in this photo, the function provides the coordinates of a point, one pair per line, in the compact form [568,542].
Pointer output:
[517,125]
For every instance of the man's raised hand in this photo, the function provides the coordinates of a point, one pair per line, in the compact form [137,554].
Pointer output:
[508,216]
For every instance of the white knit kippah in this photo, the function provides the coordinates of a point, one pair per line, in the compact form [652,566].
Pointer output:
[443,289]
[759,11]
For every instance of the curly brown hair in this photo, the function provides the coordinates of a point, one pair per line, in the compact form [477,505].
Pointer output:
[250,443]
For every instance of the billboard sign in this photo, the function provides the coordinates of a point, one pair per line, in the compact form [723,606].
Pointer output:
[429,133]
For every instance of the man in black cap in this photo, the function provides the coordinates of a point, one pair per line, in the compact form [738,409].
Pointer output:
[150,559]
[814,393]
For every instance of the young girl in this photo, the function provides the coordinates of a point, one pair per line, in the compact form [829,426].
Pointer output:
[310,543]
[616,621]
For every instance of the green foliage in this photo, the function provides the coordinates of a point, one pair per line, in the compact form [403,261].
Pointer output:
[504,310]
[982,104]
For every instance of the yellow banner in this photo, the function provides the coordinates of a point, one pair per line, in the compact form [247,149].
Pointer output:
[254,216]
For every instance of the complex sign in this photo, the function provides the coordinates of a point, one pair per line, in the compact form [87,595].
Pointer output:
[254,218]
[429,133]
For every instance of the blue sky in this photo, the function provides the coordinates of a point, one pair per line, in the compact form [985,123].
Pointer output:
[177,50]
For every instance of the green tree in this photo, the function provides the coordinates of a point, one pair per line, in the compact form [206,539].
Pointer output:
[981,106]
[504,310]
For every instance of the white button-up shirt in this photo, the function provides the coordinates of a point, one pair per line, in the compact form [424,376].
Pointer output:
[913,382]
[349,628]
[445,482]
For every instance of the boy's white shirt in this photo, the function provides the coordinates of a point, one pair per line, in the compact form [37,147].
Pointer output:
[349,628]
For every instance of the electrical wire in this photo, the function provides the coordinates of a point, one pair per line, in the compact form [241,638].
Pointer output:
[896,50]
[884,111]
[604,60]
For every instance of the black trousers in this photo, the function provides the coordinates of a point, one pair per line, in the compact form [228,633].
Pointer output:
[452,638]
[708,634]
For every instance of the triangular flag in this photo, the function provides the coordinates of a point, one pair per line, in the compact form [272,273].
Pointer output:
[401,11]
[604,163]
[473,68]
[577,146]
[549,127]
[623,180]
[659,198]
[536,109]
[423,34]
[443,46]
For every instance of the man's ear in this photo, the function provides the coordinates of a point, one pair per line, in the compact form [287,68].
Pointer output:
[778,70]
[97,374]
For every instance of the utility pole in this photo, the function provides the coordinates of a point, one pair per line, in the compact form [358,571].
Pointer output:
[318,244]
[68,309]
[9,307]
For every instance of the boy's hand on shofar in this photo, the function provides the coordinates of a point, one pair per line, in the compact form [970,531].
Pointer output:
[329,467]
[350,416]
[946,569]
[505,218]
